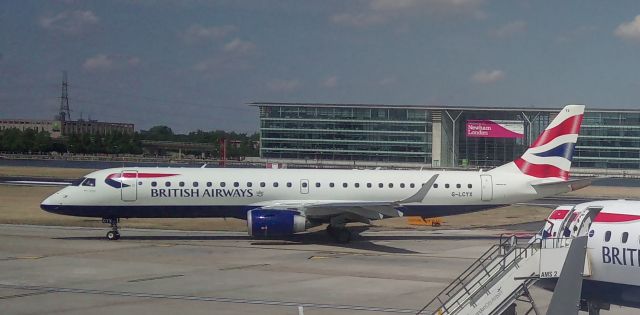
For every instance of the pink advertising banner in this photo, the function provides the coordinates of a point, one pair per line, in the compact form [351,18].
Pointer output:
[495,129]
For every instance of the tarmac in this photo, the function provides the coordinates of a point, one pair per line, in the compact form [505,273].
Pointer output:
[74,270]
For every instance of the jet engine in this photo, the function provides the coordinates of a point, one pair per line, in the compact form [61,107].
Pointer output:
[270,222]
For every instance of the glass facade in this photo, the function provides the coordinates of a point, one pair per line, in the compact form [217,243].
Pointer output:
[609,140]
[492,152]
[426,135]
[345,133]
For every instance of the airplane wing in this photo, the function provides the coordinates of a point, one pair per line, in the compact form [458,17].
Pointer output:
[361,211]
[562,187]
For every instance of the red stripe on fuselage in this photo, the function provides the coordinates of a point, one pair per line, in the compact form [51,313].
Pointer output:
[570,126]
[147,175]
[558,214]
[606,217]
[541,170]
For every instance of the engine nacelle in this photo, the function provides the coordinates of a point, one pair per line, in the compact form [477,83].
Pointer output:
[269,222]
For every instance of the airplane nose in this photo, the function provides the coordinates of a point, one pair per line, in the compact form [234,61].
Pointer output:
[52,203]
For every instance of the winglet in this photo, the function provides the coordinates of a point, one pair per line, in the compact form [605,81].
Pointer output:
[419,196]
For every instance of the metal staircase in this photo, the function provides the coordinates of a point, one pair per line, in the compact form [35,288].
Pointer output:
[502,276]
[504,273]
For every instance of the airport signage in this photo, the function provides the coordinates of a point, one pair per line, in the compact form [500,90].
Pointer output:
[495,128]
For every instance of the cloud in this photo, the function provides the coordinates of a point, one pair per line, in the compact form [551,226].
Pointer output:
[198,33]
[70,22]
[395,5]
[235,55]
[376,12]
[104,62]
[283,85]
[330,82]
[509,29]
[630,30]
[487,76]
[575,34]
[360,20]
[239,46]
[387,81]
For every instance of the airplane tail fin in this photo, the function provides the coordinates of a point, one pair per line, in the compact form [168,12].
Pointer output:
[551,154]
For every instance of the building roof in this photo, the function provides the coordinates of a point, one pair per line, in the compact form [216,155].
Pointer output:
[527,108]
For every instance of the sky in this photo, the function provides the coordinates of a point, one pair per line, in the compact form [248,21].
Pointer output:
[195,64]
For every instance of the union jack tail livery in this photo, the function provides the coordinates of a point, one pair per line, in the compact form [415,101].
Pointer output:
[549,157]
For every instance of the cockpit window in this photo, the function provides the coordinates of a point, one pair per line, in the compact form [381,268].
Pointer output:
[91,182]
[78,181]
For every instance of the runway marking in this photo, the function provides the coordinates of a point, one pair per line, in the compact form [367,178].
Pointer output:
[29,257]
[244,267]
[155,278]
[13,296]
[213,299]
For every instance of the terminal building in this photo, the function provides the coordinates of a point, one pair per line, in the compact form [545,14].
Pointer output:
[437,136]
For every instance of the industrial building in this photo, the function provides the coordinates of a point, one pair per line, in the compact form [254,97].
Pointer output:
[63,126]
[438,136]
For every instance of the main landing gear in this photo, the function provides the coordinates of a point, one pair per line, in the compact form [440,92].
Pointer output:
[339,234]
[112,235]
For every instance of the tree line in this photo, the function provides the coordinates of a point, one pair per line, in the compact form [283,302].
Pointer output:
[32,141]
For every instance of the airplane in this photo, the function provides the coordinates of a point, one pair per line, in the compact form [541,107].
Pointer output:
[613,251]
[281,202]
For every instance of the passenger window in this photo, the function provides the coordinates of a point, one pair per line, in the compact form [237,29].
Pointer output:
[357,185]
[607,236]
[318,185]
[470,186]
[304,184]
[263,184]
[625,237]
[181,184]
[236,184]
[209,184]
[446,185]
[368,185]
[390,185]
[380,185]
[90,182]
[139,183]
[344,185]
[401,185]
[275,184]
[154,184]
[168,184]
[412,185]
[331,185]
[195,184]
[458,186]
[249,184]
[435,185]
[222,184]
[289,184]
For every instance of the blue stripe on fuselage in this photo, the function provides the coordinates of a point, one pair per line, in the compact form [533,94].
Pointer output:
[240,212]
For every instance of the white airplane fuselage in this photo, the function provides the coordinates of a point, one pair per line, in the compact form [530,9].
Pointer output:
[210,192]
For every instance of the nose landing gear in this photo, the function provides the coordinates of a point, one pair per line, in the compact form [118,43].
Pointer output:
[112,235]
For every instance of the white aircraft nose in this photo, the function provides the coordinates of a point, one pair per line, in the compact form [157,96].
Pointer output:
[52,203]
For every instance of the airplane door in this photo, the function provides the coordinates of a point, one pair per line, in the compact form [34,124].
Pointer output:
[486,187]
[304,186]
[584,221]
[129,185]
